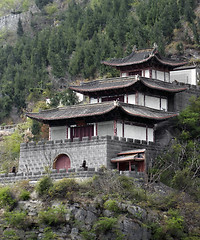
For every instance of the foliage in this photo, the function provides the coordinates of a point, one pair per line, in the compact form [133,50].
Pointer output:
[179,167]
[9,150]
[6,198]
[16,219]
[111,205]
[173,227]
[189,120]
[24,195]
[10,235]
[48,234]
[44,185]
[42,3]
[20,30]
[52,216]
[61,188]
[105,224]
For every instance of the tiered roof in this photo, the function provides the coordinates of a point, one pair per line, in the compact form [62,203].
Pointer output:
[126,82]
[143,56]
[99,109]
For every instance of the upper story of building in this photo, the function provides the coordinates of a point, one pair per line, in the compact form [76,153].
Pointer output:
[146,63]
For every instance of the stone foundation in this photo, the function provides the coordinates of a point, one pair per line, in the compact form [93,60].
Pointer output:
[97,152]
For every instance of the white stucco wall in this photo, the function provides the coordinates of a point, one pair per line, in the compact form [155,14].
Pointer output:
[105,128]
[167,77]
[135,132]
[131,98]
[160,75]
[152,102]
[147,75]
[93,100]
[141,99]
[123,74]
[150,134]
[58,133]
[138,132]
[186,76]
[119,129]
[164,104]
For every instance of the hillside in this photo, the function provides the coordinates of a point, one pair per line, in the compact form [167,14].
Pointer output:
[64,41]
[104,207]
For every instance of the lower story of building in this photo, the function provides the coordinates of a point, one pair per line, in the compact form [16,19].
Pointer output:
[89,153]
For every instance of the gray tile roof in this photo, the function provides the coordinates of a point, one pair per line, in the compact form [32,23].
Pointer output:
[125,82]
[141,56]
[98,109]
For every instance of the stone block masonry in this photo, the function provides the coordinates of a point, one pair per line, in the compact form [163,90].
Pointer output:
[97,152]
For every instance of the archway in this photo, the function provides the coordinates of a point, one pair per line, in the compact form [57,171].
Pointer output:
[62,161]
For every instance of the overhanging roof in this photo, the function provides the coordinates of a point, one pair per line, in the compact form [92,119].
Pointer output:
[99,109]
[142,56]
[126,82]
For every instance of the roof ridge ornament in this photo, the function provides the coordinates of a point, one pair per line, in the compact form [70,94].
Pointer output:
[116,103]
[137,77]
[134,48]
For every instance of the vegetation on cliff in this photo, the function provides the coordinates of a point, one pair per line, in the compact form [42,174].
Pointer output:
[108,206]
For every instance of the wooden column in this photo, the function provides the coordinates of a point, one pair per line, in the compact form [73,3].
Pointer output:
[49,133]
[115,127]
[129,166]
[118,166]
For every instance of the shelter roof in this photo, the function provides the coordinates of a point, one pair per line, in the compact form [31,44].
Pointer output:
[126,82]
[142,56]
[98,109]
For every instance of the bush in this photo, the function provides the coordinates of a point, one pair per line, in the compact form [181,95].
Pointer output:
[173,227]
[48,234]
[10,235]
[111,205]
[105,224]
[63,187]
[16,219]
[6,198]
[24,195]
[44,185]
[52,216]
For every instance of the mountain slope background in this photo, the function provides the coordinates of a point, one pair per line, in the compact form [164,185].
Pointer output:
[63,41]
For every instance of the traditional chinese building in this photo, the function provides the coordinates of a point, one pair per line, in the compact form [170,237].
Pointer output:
[117,128]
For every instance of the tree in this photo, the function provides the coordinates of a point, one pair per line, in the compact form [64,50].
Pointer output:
[20,30]
[41,3]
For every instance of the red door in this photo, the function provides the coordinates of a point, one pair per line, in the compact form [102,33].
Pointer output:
[62,161]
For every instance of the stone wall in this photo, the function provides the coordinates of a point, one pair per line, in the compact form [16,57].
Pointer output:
[182,99]
[78,174]
[97,152]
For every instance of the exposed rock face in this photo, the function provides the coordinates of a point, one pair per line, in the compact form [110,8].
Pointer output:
[82,217]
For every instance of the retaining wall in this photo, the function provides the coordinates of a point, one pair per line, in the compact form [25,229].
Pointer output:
[79,174]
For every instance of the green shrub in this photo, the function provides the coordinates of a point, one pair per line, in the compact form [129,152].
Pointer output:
[63,187]
[111,205]
[105,224]
[16,219]
[24,195]
[6,198]
[44,185]
[173,227]
[126,182]
[52,216]
[10,235]
[48,234]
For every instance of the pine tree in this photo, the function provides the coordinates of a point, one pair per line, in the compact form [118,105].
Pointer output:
[20,30]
